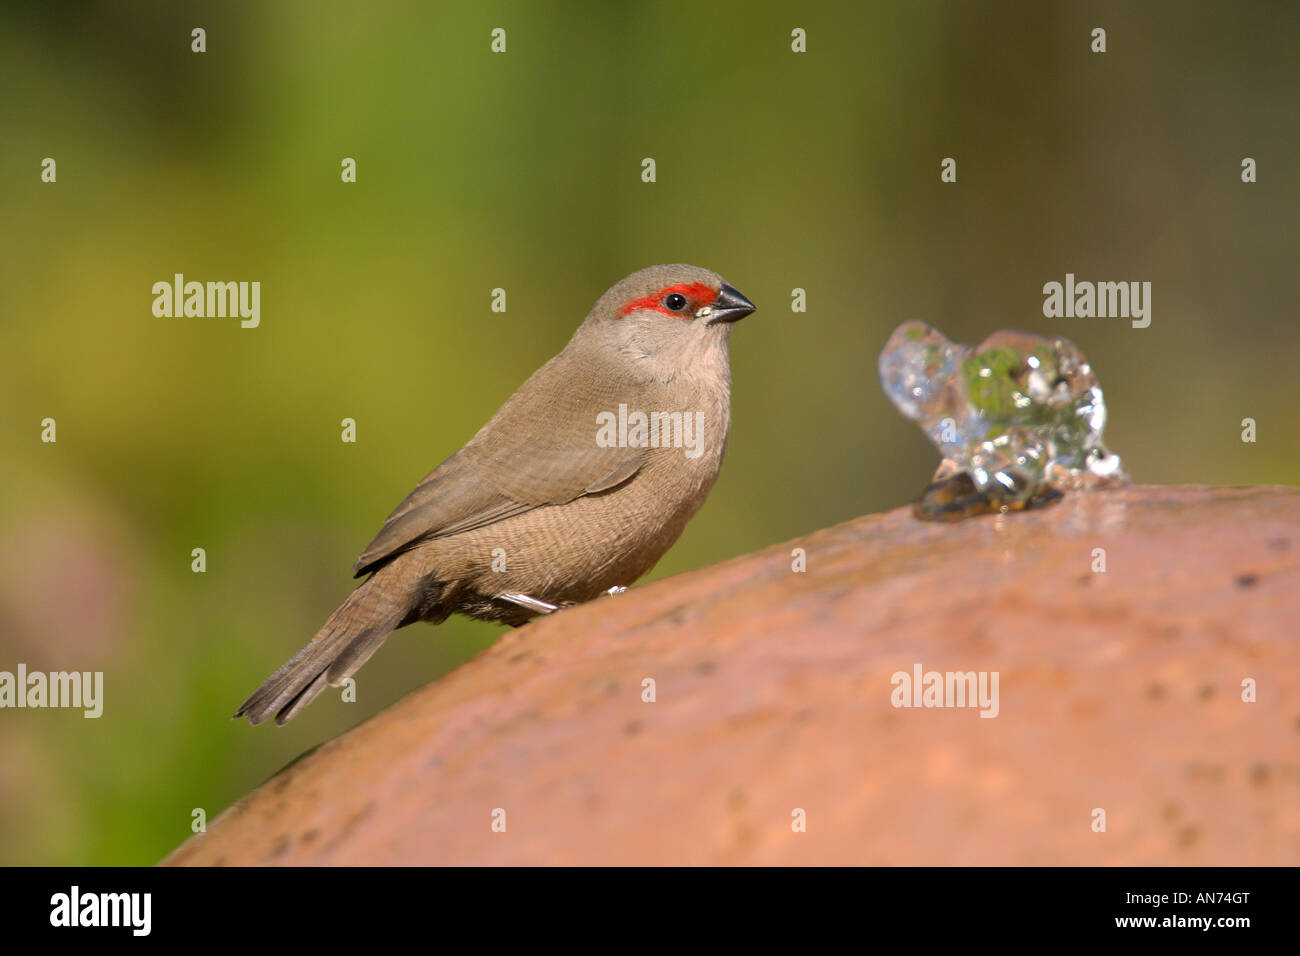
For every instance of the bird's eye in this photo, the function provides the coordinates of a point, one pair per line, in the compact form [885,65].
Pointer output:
[675,301]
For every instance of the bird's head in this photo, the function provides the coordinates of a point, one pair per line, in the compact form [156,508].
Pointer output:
[668,320]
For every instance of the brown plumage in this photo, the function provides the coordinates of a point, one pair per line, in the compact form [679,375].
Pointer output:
[542,489]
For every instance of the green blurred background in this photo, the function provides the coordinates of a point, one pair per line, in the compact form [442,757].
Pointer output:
[522,171]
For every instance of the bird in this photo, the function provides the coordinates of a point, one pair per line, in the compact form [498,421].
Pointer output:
[577,486]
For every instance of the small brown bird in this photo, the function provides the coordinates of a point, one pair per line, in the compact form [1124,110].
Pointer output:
[576,486]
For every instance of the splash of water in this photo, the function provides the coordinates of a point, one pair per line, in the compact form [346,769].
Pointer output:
[1018,418]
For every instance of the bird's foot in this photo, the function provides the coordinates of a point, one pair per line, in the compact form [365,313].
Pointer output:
[536,605]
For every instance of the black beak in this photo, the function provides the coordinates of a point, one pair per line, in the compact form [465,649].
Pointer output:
[730,306]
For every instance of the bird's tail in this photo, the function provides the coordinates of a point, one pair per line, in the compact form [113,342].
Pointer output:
[349,637]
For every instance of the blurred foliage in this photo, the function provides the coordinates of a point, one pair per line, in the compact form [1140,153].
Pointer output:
[522,171]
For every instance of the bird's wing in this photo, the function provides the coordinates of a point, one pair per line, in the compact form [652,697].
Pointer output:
[540,448]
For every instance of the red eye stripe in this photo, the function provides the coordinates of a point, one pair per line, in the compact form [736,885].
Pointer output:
[697,294]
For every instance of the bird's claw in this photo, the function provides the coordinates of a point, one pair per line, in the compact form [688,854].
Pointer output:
[538,606]
[530,603]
